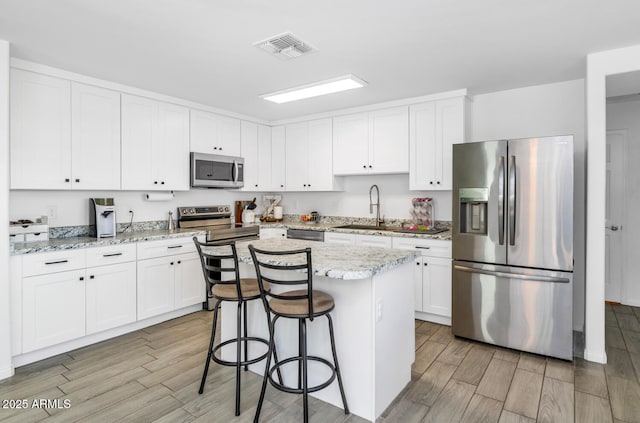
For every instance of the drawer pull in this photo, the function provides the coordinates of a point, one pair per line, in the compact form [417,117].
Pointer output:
[56,262]
[175,246]
[112,255]
[423,248]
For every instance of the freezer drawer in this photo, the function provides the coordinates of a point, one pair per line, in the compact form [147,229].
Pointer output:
[524,309]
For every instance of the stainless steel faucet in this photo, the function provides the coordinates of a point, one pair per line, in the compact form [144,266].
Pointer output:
[377,204]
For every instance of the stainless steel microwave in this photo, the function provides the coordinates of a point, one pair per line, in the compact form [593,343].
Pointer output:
[215,171]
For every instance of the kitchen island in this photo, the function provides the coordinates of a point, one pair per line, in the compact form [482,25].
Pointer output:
[373,321]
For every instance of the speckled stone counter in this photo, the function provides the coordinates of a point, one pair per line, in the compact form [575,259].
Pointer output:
[71,243]
[334,260]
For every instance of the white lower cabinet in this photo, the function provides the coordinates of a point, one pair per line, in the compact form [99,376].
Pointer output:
[339,238]
[53,307]
[266,233]
[111,296]
[373,240]
[432,277]
[167,281]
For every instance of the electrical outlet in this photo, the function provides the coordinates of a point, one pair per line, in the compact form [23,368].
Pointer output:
[52,212]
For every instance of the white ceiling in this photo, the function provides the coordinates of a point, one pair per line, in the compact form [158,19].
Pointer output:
[201,50]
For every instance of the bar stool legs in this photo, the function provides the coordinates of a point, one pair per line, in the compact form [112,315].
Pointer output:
[302,359]
[210,351]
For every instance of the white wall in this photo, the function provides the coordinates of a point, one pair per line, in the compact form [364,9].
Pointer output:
[6,367]
[551,109]
[626,115]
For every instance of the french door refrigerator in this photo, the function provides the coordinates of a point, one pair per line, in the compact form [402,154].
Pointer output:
[512,282]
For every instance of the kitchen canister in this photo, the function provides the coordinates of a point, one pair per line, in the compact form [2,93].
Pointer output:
[277,212]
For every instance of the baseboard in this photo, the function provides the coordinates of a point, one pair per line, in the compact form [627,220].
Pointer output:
[6,372]
[595,356]
[428,317]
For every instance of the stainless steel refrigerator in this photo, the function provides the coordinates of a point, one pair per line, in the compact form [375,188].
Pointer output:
[512,282]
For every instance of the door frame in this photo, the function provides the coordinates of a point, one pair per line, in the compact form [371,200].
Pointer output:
[599,65]
[623,222]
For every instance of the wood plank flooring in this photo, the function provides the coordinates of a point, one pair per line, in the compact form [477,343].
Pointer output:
[153,375]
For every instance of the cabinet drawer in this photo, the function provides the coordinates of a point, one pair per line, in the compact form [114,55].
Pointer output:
[58,261]
[165,247]
[111,254]
[339,238]
[374,240]
[428,247]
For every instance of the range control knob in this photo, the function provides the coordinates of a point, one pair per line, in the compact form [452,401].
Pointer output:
[192,211]
[226,208]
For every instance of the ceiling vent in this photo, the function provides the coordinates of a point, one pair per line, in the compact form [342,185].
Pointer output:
[285,46]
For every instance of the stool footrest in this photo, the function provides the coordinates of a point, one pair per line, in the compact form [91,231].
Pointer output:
[291,390]
[246,361]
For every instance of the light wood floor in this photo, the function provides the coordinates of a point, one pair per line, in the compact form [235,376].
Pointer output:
[153,375]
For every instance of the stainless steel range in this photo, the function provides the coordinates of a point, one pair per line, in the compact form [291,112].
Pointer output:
[217,221]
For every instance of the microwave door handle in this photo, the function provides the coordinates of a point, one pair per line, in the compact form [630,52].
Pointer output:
[501,182]
[234,171]
[512,200]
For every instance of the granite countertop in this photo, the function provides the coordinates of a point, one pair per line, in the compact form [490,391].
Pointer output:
[329,227]
[332,260]
[71,243]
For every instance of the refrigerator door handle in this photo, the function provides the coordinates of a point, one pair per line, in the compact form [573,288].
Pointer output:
[512,200]
[501,200]
[510,275]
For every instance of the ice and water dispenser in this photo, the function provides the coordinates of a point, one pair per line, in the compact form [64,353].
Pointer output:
[473,210]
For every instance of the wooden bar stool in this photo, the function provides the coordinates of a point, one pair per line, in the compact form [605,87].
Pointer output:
[301,304]
[214,256]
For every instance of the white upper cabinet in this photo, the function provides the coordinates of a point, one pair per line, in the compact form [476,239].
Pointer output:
[155,145]
[371,143]
[308,156]
[215,134]
[40,131]
[95,138]
[257,153]
[435,126]
[278,153]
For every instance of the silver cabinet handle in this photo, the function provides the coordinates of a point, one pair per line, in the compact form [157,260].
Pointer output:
[423,248]
[112,255]
[175,246]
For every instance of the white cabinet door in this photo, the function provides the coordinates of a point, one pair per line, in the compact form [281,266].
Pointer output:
[204,132]
[265,181]
[249,151]
[436,286]
[40,131]
[373,240]
[139,150]
[450,127]
[320,155]
[111,296]
[156,286]
[53,309]
[95,138]
[435,127]
[296,159]
[351,144]
[339,238]
[417,284]
[214,134]
[228,136]
[389,141]
[189,280]
[171,163]
[278,154]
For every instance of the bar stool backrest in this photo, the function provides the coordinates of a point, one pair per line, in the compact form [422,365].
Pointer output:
[213,256]
[296,273]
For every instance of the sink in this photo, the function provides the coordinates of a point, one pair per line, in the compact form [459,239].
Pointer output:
[369,227]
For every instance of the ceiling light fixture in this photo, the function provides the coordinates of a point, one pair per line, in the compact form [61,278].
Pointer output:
[333,85]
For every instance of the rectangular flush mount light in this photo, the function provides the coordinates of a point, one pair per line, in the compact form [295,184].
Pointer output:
[333,85]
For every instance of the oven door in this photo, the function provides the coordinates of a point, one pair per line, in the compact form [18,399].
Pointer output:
[215,171]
